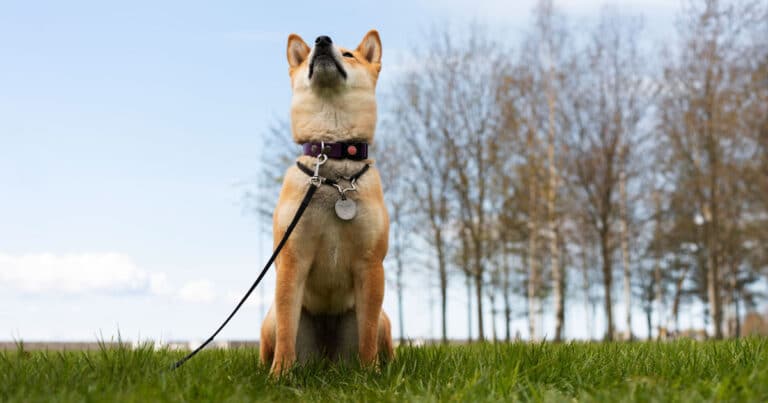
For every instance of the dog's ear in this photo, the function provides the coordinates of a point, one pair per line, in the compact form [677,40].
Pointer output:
[370,47]
[297,50]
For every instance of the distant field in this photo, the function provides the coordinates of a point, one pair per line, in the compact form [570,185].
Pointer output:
[678,371]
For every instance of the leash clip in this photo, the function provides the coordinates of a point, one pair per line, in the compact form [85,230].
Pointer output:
[316,179]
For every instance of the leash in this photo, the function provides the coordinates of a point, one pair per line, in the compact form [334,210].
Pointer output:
[315,182]
[346,209]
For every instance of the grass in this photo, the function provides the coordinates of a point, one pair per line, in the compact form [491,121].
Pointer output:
[734,370]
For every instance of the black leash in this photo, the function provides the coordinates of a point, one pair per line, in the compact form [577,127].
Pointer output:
[314,185]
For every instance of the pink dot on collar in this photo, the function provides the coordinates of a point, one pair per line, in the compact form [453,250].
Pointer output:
[352,150]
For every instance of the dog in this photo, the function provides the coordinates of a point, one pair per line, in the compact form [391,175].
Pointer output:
[330,274]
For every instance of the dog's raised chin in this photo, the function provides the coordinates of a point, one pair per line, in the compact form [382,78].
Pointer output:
[334,89]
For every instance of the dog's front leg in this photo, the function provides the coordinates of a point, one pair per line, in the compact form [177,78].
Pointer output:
[291,276]
[369,295]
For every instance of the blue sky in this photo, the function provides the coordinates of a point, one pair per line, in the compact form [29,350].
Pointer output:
[128,131]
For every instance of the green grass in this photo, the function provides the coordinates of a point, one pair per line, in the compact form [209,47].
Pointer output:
[679,371]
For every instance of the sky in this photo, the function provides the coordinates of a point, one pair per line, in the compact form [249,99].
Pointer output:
[130,131]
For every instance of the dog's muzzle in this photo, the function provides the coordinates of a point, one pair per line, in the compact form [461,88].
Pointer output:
[324,65]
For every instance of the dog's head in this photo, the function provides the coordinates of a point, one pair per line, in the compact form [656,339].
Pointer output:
[334,89]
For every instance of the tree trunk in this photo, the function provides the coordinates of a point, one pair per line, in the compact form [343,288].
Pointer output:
[492,301]
[554,247]
[585,283]
[479,295]
[507,320]
[533,270]
[607,282]
[400,302]
[507,302]
[712,176]
[443,286]
[469,308]
[713,288]
[713,282]
[676,302]
[732,303]
[649,322]
[657,279]
[625,253]
[658,296]
[738,317]
[559,287]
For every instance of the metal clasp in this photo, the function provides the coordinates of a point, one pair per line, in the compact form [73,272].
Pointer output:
[316,179]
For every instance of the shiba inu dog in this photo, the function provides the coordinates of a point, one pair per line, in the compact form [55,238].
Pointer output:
[330,276]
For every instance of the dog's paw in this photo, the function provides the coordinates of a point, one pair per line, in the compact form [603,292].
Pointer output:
[281,366]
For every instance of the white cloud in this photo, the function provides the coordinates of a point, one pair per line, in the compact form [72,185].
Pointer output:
[197,291]
[85,273]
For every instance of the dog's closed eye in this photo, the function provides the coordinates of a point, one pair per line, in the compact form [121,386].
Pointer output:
[348,54]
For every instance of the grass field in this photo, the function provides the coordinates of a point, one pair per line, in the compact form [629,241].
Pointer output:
[678,371]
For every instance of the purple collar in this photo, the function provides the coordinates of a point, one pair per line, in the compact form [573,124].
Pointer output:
[352,151]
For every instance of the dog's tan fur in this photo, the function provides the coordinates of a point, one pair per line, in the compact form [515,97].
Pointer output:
[330,271]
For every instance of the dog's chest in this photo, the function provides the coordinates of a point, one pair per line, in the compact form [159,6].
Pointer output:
[330,281]
[339,248]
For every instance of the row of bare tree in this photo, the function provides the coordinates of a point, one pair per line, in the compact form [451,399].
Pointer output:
[585,156]
[541,171]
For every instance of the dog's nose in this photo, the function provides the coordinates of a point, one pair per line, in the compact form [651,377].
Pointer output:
[323,41]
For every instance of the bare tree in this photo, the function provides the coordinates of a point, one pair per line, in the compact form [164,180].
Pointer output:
[552,36]
[417,120]
[702,117]
[471,147]
[393,167]
[438,109]
[607,107]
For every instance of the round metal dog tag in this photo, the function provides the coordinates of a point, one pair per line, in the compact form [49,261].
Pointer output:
[346,209]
